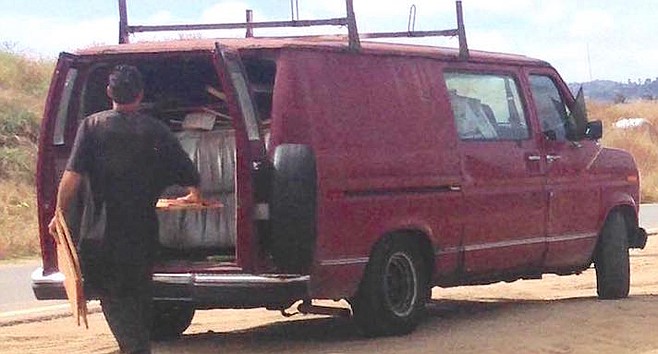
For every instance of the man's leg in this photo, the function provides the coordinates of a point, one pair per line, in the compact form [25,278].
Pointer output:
[127,308]
[125,316]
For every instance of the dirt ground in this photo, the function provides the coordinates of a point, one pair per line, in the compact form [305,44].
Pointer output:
[552,315]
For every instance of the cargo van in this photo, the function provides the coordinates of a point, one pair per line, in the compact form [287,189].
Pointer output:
[364,171]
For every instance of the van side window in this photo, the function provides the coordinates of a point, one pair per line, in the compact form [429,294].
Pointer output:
[552,112]
[63,109]
[486,106]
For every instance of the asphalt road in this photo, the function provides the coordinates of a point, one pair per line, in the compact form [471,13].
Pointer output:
[16,295]
[649,216]
[16,288]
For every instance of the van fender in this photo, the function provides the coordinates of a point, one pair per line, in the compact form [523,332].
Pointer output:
[625,204]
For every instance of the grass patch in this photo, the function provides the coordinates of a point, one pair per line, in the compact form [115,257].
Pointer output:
[26,75]
[18,163]
[24,85]
[17,120]
[641,142]
[18,224]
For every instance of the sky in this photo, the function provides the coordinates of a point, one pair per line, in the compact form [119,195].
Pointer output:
[584,39]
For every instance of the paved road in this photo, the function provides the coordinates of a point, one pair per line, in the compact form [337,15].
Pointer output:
[16,290]
[649,216]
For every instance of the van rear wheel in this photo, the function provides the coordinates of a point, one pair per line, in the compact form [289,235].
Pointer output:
[392,296]
[612,262]
[170,319]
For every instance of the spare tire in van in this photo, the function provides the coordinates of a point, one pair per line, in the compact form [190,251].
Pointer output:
[293,208]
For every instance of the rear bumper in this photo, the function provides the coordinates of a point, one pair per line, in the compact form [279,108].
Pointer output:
[206,291]
[50,287]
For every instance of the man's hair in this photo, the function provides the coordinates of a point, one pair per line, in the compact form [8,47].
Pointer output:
[125,84]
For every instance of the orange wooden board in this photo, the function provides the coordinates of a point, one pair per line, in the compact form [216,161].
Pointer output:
[174,204]
[69,265]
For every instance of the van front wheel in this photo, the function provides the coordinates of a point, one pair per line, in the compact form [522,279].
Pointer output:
[392,296]
[612,261]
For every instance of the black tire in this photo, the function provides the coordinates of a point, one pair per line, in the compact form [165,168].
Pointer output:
[611,261]
[392,295]
[293,208]
[170,319]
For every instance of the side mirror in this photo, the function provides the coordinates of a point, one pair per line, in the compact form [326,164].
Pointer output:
[594,130]
[578,130]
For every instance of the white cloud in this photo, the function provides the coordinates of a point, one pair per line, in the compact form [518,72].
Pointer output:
[226,12]
[587,23]
[493,41]
[510,7]
[61,36]
[159,18]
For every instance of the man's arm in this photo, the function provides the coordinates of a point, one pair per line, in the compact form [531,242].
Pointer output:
[179,169]
[68,188]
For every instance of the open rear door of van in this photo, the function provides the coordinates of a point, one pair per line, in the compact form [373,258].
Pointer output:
[55,142]
[250,149]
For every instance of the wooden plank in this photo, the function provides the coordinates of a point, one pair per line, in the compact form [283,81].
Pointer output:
[175,204]
[69,265]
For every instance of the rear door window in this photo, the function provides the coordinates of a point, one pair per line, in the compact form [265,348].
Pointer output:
[486,106]
[63,108]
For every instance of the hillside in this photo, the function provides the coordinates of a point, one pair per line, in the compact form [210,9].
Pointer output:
[23,88]
[617,92]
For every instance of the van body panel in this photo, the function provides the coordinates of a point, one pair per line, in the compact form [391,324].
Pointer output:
[501,188]
[616,169]
[383,144]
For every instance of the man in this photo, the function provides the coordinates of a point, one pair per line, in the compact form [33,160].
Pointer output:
[128,158]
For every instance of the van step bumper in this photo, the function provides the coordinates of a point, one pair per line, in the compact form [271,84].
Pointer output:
[206,291]
[212,291]
[48,287]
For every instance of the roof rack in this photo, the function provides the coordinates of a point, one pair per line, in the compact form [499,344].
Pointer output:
[350,21]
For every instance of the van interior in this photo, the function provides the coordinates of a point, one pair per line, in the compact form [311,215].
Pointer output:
[186,94]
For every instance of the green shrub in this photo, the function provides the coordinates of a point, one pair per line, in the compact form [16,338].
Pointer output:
[18,163]
[30,76]
[17,121]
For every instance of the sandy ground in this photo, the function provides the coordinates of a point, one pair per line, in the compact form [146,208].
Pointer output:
[552,315]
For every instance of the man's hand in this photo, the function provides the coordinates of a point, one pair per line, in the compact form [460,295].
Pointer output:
[193,197]
[52,228]
[68,187]
[192,200]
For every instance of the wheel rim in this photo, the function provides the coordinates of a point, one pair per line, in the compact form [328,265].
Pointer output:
[401,284]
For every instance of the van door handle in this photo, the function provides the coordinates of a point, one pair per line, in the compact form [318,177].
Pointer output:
[534,157]
[551,158]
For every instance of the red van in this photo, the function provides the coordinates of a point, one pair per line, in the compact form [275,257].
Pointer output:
[369,172]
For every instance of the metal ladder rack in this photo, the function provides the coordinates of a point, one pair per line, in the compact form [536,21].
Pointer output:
[350,21]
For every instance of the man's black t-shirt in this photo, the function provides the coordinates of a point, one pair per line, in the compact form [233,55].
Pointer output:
[129,159]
